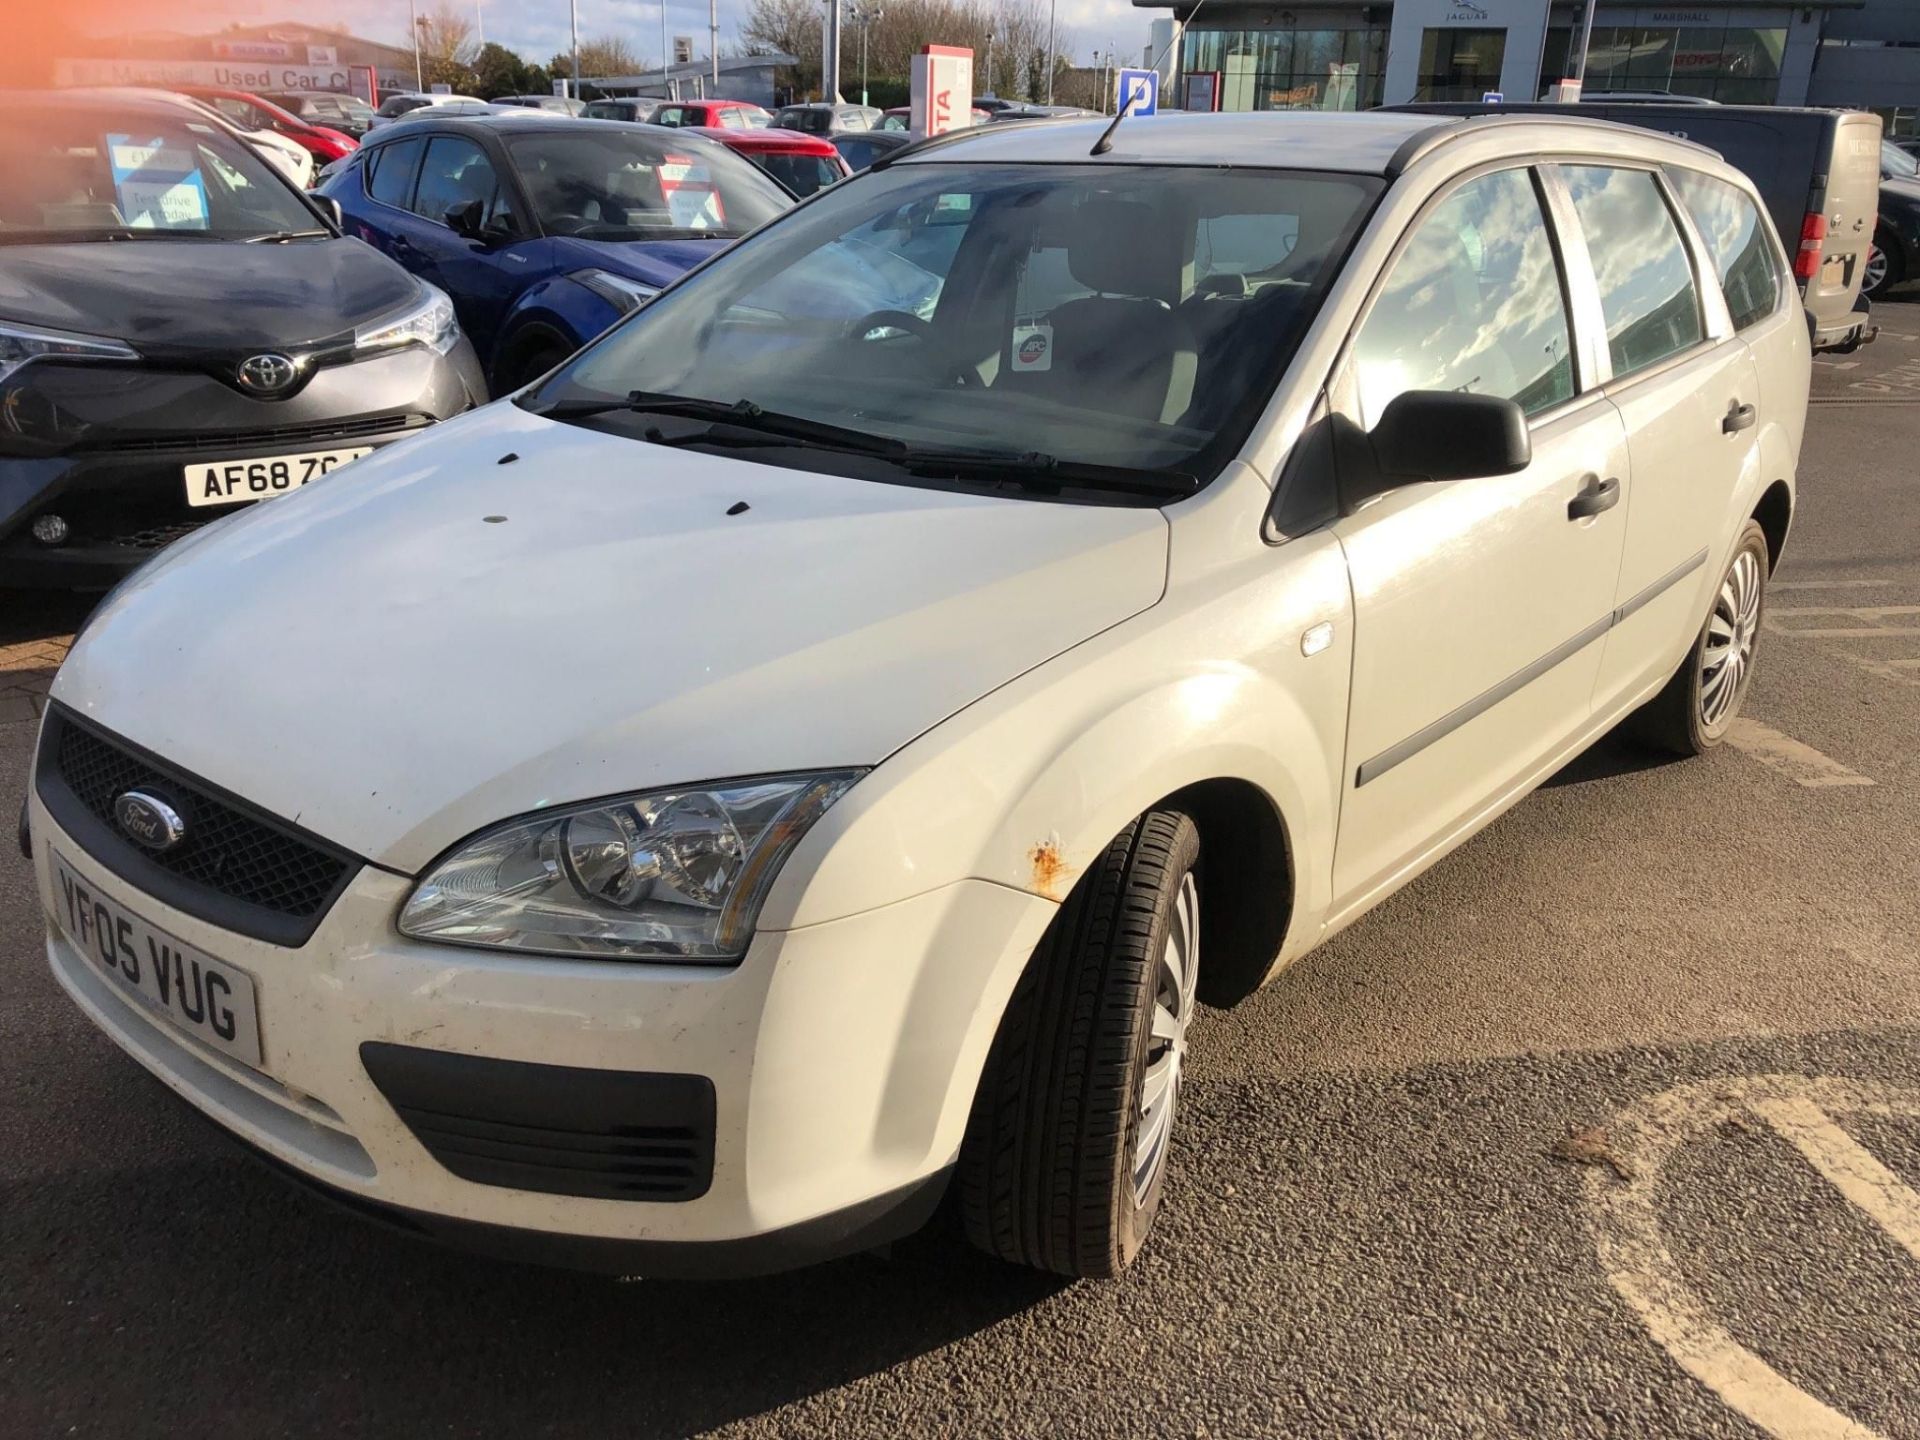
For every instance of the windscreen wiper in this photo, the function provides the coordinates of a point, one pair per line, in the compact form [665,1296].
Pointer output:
[274,237]
[741,414]
[1033,469]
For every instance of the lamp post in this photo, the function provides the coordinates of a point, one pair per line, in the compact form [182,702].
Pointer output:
[1052,9]
[573,14]
[864,16]
[419,78]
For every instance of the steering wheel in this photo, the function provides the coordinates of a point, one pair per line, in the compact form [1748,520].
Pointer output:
[963,376]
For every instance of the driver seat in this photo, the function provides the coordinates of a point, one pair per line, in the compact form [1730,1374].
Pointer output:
[1124,350]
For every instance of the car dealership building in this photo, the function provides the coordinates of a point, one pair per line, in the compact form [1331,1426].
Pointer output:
[1352,54]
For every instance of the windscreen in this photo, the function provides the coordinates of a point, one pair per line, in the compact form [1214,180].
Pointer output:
[79,174]
[802,174]
[620,185]
[1119,315]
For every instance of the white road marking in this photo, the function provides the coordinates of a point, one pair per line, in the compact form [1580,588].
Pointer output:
[1827,584]
[1838,364]
[1633,1250]
[1848,1167]
[1793,758]
[1868,620]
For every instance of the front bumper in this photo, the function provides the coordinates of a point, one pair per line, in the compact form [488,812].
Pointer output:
[842,1059]
[121,489]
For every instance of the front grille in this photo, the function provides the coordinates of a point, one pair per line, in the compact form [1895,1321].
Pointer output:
[236,867]
[154,537]
[556,1129]
[216,441]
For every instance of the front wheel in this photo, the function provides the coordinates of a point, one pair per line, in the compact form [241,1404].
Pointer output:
[1693,713]
[1066,1151]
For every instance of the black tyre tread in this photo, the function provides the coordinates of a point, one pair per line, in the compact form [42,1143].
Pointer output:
[1044,1163]
[1669,723]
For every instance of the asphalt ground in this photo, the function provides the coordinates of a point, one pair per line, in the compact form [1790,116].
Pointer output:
[1696,982]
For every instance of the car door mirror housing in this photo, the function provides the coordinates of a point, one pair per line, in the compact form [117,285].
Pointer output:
[468,219]
[329,207]
[1449,435]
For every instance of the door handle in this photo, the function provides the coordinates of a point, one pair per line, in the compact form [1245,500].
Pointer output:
[1595,496]
[1740,417]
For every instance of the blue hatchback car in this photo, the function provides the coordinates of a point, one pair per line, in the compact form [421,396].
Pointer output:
[545,230]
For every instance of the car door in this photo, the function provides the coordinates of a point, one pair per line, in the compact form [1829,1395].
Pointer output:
[1479,605]
[1688,392]
[379,209]
[483,276]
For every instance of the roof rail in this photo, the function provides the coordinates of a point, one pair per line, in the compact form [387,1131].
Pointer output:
[1417,146]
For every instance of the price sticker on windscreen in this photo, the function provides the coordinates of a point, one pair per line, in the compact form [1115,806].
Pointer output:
[158,185]
[1032,347]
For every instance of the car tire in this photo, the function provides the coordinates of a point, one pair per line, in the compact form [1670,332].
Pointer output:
[527,360]
[1886,265]
[1692,713]
[1064,1160]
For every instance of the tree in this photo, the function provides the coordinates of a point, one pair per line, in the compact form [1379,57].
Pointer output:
[498,71]
[602,55]
[447,50]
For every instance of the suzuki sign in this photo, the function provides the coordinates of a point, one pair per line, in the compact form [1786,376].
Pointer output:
[942,90]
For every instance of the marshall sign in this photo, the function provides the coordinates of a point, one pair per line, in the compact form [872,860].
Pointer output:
[229,74]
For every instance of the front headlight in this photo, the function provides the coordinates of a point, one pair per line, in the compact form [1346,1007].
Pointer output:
[427,321]
[617,290]
[669,874]
[23,344]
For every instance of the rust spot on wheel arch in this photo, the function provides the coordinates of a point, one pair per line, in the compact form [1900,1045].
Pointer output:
[1049,867]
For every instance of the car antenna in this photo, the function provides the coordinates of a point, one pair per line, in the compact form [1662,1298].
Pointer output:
[1105,142]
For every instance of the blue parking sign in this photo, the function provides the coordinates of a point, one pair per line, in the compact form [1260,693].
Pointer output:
[1137,92]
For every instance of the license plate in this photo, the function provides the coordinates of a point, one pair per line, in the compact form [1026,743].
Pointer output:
[235,482]
[208,999]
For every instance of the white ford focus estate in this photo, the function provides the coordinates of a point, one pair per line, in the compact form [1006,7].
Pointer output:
[812,752]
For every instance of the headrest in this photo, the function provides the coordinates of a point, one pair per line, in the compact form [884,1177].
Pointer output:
[1125,247]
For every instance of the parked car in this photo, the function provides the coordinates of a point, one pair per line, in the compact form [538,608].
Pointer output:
[811,762]
[860,148]
[545,232]
[1641,97]
[289,157]
[1896,231]
[405,102]
[348,114]
[637,111]
[709,114]
[558,104]
[900,118]
[182,332]
[1040,112]
[256,115]
[820,118]
[1816,169]
[801,163]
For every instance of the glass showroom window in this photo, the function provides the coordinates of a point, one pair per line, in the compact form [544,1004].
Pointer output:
[1282,68]
[1734,64]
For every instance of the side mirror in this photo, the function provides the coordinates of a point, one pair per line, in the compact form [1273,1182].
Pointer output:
[467,219]
[329,207]
[1449,435]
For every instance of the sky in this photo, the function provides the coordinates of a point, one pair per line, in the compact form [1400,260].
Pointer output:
[539,28]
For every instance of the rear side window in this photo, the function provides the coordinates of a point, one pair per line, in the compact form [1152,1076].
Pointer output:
[1736,237]
[390,180]
[1647,294]
[1474,303]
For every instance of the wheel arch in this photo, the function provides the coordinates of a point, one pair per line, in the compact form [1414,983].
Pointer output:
[1244,916]
[1774,514]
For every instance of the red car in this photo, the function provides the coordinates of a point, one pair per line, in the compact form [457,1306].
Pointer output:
[732,115]
[802,163]
[250,112]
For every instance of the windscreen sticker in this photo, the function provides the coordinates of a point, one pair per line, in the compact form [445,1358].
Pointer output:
[692,198]
[1032,348]
[159,185]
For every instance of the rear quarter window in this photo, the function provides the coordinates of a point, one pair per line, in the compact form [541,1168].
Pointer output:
[1744,259]
[390,172]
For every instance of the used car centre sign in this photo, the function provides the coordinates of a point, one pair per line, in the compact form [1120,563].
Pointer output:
[229,74]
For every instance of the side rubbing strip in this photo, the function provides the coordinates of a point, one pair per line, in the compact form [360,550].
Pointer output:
[1487,699]
[1659,587]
